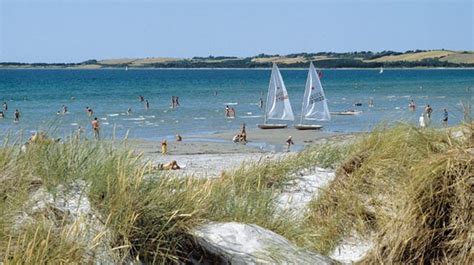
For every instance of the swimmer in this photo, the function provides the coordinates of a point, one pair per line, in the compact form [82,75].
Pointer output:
[17,115]
[5,106]
[64,109]
[227,111]
[2,115]
[179,138]
[129,111]
[141,98]
[260,104]
[147,104]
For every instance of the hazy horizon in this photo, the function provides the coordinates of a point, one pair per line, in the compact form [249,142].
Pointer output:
[54,31]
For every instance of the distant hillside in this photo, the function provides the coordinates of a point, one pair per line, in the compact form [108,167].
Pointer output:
[363,59]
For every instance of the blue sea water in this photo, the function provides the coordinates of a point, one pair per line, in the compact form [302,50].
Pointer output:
[203,94]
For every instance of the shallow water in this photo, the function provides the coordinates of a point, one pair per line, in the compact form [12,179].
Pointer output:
[203,94]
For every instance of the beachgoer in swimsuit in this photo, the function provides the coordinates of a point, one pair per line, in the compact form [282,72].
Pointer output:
[5,106]
[260,104]
[421,120]
[179,138]
[412,105]
[177,101]
[445,117]
[96,127]
[173,165]
[17,115]
[227,111]
[64,109]
[243,134]
[173,102]
[236,138]
[141,98]
[147,104]
[164,147]
[289,142]
[129,111]
[429,110]
[232,112]
[2,115]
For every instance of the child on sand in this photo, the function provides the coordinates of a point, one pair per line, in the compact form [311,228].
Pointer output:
[164,147]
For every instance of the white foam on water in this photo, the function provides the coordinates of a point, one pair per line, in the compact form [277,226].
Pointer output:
[231,103]
[199,118]
[104,119]
[440,97]
[391,96]
[397,107]
[150,116]
[248,113]
[74,124]
[251,117]
[113,115]
[105,123]
[135,119]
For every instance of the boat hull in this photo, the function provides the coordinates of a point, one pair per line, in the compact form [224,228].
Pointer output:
[272,126]
[308,127]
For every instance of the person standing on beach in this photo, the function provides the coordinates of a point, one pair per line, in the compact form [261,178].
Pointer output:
[289,142]
[96,127]
[16,116]
[164,147]
[5,106]
[445,118]
[147,104]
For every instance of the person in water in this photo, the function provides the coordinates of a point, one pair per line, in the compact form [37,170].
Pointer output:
[232,112]
[177,101]
[2,115]
[5,106]
[64,109]
[179,138]
[89,111]
[141,98]
[164,147]
[16,115]
[428,111]
[412,105]
[96,127]
[422,121]
[147,104]
[445,117]
[129,111]
[227,111]
[260,103]
[289,143]
[173,102]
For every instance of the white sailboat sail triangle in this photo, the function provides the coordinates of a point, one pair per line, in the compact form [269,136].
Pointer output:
[278,105]
[315,105]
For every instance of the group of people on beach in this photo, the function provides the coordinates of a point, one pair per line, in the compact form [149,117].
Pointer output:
[16,114]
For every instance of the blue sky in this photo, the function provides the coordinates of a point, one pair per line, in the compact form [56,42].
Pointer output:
[73,31]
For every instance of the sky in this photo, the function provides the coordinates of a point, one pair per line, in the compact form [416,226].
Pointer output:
[78,30]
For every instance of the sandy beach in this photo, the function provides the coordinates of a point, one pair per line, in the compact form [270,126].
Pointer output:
[209,155]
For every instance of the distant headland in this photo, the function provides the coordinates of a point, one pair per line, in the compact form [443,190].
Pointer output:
[362,59]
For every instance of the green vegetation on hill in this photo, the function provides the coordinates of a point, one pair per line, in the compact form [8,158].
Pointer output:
[362,59]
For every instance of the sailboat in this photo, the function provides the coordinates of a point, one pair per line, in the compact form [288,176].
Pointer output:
[381,70]
[314,106]
[278,105]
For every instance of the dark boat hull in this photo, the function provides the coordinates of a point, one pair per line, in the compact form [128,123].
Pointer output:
[308,127]
[272,126]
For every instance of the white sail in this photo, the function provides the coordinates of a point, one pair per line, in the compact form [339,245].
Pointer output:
[315,105]
[278,105]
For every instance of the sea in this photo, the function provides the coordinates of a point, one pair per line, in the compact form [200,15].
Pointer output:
[39,94]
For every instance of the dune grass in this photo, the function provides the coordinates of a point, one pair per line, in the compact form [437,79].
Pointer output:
[406,188]
[387,182]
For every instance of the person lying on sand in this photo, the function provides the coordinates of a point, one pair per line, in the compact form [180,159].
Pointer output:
[173,165]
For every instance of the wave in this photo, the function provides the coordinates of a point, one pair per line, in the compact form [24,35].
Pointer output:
[104,119]
[248,113]
[199,118]
[251,117]
[150,116]
[113,115]
[74,124]
[231,103]
[135,119]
